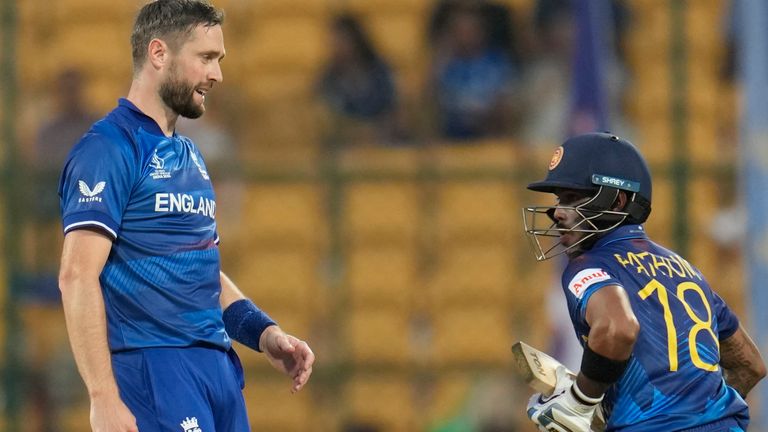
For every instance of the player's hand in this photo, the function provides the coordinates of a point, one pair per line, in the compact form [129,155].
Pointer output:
[110,414]
[288,354]
[561,411]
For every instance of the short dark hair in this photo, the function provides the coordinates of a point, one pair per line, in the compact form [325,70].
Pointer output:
[172,21]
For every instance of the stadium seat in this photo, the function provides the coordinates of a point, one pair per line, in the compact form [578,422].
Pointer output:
[399,37]
[448,396]
[285,43]
[384,400]
[288,8]
[382,276]
[704,146]
[272,407]
[285,213]
[473,210]
[75,418]
[98,49]
[498,155]
[69,11]
[481,274]
[651,27]
[701,18]
[381,160]
[279,277]
[282,133]
[659,225]
[650,97]
[384,7]
[381,212]
[102,93]
[471,336]
[378,336]
[280,88]
[655,141]
[705,189]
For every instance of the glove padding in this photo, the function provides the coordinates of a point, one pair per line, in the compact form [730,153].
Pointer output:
[562,411]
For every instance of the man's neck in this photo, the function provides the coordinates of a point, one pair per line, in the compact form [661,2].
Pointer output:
[147,99]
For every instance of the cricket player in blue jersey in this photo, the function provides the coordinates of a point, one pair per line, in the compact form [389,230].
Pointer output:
[662,351]
[149,313]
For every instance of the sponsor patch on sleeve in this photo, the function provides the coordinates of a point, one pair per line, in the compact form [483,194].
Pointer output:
[586,278]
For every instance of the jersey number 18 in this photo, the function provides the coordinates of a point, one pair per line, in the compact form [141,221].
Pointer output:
[700,324]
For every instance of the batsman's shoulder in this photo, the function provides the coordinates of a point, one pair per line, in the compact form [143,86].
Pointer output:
[587,271]
[586,261]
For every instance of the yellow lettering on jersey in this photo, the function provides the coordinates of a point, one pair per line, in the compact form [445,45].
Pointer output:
[678,268]
[637,262]
[651,264]
[660,263]
[644,257]
[687,267]
[624,263]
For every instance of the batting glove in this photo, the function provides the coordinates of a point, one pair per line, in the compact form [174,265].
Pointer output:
[567,409]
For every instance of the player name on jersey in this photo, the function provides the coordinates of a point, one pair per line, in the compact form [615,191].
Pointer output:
[652,264]
[184,203]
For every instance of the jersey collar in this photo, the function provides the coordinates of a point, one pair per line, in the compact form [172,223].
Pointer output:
[147,123]
[623,232]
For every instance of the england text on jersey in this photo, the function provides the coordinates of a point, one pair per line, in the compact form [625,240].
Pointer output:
[178,202]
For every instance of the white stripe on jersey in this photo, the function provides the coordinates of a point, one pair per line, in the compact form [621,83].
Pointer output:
[68,228]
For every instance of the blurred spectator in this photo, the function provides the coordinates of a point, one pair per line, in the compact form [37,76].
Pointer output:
[549,76]
[50,382]
[357,84]
[499,22]
[473,78]
[70,120]
[56,137]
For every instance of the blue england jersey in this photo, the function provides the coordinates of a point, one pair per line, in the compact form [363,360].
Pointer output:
[673,381]
[152,195]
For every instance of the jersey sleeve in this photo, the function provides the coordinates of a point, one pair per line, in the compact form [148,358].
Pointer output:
[727,321]
[95,184]
[581,279]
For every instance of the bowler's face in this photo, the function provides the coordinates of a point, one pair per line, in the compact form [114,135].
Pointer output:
[193,71]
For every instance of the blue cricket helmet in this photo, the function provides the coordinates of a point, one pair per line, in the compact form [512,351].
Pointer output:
[601,165]
[588,161]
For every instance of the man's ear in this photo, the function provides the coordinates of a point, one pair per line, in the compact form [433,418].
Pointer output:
[621,201]
[157,51]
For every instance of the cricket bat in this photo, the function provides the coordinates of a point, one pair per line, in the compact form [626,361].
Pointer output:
[538,369]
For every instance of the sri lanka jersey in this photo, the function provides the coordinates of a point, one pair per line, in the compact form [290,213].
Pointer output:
[152,195]
[673,381]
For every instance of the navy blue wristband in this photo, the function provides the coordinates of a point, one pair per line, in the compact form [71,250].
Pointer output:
[245,322]
[598,367]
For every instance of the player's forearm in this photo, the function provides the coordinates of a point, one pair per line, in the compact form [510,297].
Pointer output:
[742,380]
[230,293]
[742,364]
[87,329]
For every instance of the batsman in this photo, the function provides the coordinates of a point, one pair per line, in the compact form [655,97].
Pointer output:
[662,350]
